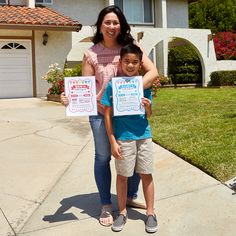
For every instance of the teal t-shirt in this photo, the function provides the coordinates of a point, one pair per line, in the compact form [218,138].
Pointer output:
[129,127]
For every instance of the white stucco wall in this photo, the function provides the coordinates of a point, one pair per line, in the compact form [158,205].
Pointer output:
[171,13]
[78,47]
[85,11]
[158,14]
[56,50]
[226,65]
[198,38]
[158,37]
[177,13]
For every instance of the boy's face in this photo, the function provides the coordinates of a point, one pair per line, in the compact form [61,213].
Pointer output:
[130,64]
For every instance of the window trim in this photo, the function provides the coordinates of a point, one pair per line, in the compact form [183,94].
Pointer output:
[2,3]
[44,3]
[142,23]
[13,45]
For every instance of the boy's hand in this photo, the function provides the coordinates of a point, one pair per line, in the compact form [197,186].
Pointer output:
[145,102]
[116,151]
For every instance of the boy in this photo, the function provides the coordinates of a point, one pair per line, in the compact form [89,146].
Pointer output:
[131,143]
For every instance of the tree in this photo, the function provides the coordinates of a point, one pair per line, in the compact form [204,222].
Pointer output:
[217,15]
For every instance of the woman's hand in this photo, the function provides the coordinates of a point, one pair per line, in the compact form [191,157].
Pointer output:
[64,100]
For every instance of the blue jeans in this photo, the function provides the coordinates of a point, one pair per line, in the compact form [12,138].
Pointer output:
[102,170]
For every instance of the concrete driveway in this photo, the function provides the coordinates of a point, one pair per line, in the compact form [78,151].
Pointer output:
[47,186]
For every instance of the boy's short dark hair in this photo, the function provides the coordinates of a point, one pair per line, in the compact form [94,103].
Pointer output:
[131,48]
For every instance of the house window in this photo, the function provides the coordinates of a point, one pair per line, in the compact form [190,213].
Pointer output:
[3,2]
[13,46]
[48,2]
[137,11]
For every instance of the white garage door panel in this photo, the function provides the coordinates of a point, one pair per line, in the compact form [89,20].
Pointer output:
[12,61]
[14,85]
[15,69]
[14,76]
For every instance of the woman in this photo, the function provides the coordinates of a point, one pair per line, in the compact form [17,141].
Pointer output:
[101,60]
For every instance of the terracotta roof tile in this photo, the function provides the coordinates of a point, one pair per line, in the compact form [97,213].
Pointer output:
[38,16]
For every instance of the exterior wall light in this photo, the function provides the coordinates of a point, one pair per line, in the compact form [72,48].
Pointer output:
[45,38]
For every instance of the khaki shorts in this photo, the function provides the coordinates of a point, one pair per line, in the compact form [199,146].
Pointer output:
[137,156]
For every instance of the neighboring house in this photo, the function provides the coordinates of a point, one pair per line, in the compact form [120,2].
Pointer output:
[154,24]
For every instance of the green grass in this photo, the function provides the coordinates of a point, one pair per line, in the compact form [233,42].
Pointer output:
[199,125]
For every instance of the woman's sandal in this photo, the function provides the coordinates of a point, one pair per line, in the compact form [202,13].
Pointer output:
[106,218]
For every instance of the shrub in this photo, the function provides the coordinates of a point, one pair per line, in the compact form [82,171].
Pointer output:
[186,78]
[184,65]
[225,44]
[193,69]
[55,78]
[163,80]
[223,78]
[156,86]
[76,71]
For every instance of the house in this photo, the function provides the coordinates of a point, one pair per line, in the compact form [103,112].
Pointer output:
[154,23]
[31,38]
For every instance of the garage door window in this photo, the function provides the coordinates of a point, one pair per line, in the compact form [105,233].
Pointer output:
[13,46]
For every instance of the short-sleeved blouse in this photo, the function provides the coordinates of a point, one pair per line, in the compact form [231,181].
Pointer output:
[105,62]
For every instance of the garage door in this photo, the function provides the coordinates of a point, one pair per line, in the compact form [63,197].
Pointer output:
[15,69]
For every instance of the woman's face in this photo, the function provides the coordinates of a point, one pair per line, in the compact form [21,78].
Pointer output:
[110,27]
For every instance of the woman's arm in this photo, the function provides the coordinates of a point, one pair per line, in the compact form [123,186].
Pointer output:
[151,73]
[87,69]
[150,70]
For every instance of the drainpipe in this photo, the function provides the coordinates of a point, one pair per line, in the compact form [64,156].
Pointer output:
[164,14]
[165,41]
[31,3]
[110,2]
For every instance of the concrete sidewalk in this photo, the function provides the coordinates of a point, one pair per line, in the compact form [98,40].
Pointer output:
[47,186]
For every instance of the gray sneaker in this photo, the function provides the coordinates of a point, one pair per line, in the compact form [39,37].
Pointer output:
[151,224]
[119,223]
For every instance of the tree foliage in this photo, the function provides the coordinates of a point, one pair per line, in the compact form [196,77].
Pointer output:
[217,15]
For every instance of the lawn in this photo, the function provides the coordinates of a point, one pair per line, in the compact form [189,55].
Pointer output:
[199,125]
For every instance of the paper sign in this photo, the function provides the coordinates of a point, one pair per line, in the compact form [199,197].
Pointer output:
[81,92]
[127,94]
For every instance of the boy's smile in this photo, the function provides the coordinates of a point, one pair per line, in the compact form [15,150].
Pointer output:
[130,64]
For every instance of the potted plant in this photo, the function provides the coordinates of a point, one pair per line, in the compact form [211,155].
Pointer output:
[55,77]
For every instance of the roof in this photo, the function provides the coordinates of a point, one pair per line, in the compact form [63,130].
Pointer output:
[41,18]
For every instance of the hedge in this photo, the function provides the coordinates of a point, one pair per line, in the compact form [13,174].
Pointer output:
[186,78]
[223,78]
[184,65]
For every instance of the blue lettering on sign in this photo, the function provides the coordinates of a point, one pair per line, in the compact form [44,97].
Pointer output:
[127,86]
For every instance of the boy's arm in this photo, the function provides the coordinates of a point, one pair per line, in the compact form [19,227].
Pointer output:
[115,148]
[148,106]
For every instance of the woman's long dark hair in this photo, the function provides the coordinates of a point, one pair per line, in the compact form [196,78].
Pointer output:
[124,37]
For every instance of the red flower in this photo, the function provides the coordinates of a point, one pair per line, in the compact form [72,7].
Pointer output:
[225,44]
